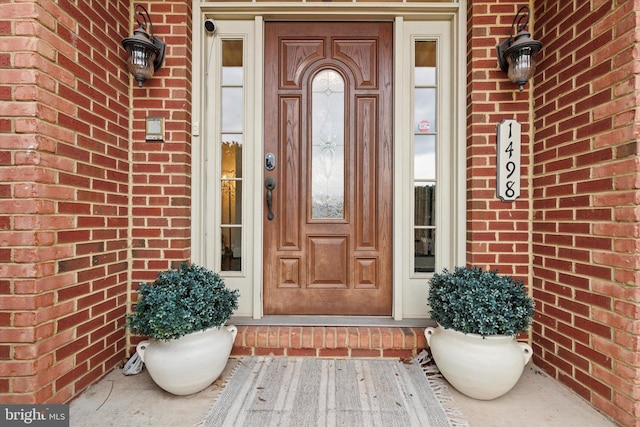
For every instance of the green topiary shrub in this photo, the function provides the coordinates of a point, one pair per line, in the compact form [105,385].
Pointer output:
[182,301]
[473,301]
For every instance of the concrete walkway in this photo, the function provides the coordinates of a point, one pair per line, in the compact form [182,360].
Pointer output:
[119,400]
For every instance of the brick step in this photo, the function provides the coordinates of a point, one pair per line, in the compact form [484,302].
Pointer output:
[329,341]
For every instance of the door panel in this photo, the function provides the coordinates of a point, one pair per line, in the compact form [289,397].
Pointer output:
[331,255]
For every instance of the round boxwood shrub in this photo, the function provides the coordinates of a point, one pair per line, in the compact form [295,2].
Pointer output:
[473,301]
[182,301]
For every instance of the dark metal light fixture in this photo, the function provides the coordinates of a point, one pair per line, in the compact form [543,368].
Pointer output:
[145,52]
[517,54]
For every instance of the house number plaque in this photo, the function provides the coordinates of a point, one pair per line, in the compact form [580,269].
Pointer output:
[508,161]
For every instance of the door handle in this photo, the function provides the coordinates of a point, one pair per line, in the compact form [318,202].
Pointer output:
[270,184]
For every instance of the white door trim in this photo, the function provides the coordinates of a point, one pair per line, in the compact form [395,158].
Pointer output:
[407,287]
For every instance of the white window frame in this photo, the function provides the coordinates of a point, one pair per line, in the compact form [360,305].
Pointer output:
[410,288]
[206,148]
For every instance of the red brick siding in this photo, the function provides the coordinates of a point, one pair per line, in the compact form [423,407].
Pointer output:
[161,171]
[64,172]
[66,186]
[585,199]
[497,232]
[580,163]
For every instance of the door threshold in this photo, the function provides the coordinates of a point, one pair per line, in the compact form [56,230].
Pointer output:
[364,321]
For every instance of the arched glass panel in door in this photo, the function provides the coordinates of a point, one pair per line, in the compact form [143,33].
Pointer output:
[327,156]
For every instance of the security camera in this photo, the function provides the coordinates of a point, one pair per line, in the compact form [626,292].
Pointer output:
[210,25]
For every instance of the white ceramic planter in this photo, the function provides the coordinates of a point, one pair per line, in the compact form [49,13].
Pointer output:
[482,368]
[190,363]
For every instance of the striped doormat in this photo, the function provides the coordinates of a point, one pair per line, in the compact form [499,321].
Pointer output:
[297,392]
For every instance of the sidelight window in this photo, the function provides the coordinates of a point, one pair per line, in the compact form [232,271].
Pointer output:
[425,133]
[231,142]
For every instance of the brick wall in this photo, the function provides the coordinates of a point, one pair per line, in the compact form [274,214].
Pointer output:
[161,171]
[64,170]
[580,187]
[498,233]
[585,200]
[161,182]
[79,186]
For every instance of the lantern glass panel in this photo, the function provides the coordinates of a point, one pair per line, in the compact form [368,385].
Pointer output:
[140,62]
[522,65]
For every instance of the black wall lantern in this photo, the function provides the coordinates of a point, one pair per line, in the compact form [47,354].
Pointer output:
[517,54]
[145,52]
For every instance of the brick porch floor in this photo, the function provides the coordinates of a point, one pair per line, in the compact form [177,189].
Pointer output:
[329,341]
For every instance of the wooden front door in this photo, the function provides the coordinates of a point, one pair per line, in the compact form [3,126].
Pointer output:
[328,124]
